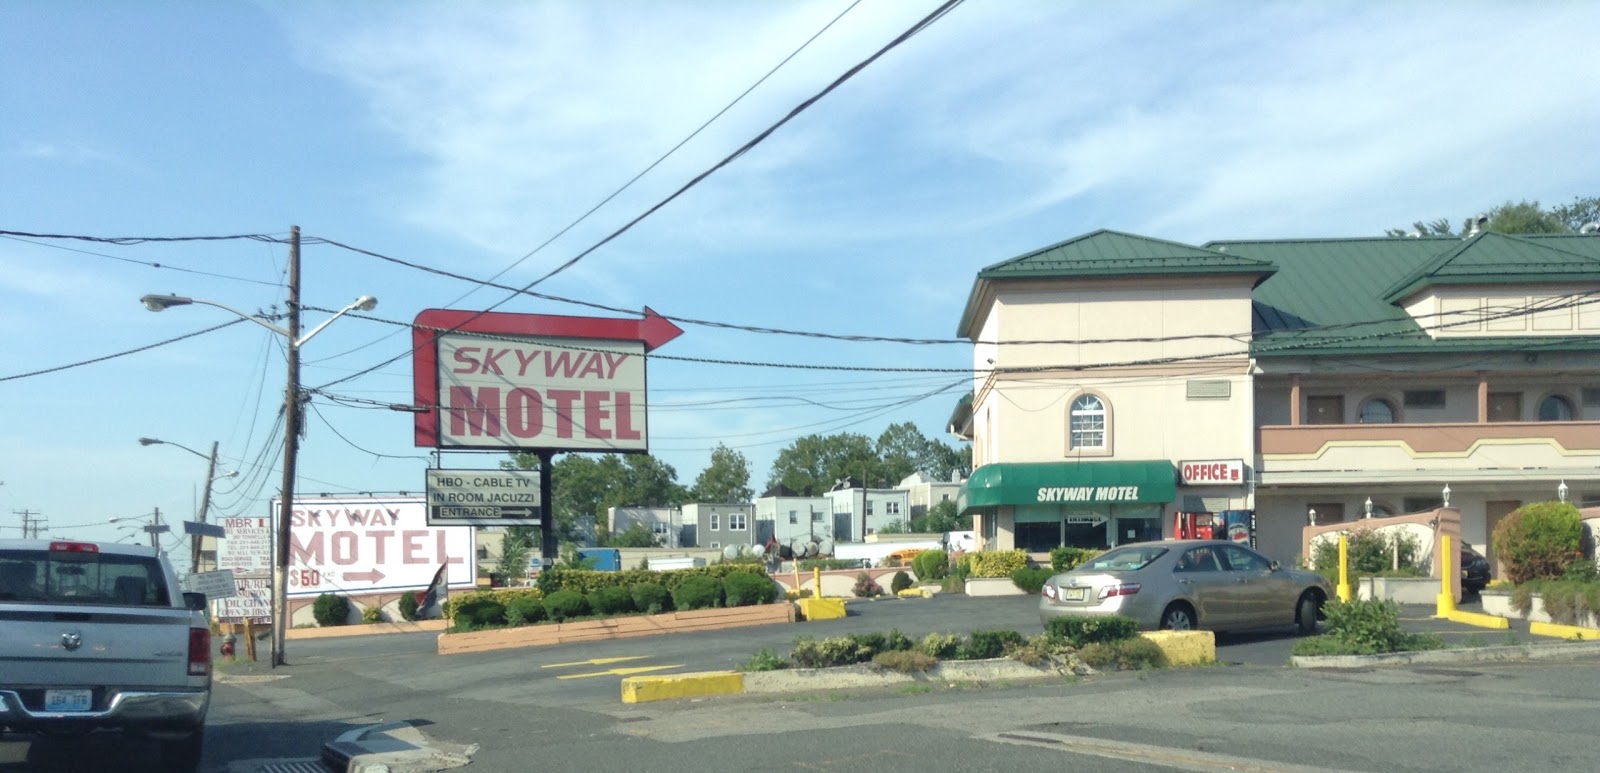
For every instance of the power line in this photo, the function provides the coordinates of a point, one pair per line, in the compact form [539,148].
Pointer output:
[120,354]
[129,240]
[151,264]
[921,25]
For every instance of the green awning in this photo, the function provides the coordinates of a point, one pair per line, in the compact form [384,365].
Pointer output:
[1069,483]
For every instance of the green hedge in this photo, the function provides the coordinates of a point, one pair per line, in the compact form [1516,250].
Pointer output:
[1067,557]
[745,589]
[589,580]
[994,563]
[931,565]
[698,592]
[1083,630]
[1031,580]
[1539,541]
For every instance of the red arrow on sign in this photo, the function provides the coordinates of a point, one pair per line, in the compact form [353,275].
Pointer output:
[652,329]
[371,576]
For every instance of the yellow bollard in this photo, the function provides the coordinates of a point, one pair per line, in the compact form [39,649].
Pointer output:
[1447,599]
[797,578]
[816,582]
[1343,589]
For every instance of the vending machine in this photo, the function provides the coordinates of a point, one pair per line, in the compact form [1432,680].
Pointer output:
[1236,525]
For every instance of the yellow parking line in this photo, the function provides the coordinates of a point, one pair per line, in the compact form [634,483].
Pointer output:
[596,662]
[620,672]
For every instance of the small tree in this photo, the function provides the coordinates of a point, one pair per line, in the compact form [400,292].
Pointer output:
[330,610]
[1539,541]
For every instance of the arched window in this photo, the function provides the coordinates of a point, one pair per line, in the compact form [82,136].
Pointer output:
[1555,408]
[1087,423]
[1377,411]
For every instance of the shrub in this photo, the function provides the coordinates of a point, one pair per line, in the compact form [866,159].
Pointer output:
[1031,580]
[371,615]
[331,610]
[901,582]
[995,563]
[611,601]
[939,645]
[1043,650]
[524,611]
[703,592]
[826,653]
[502,595]
[588,580]
[931,565]
[1368,626]
[564,605]
[765,660]
[1066,557]
[746,590]
[866,587]
[650,598]
[1370,553]
[1566,601]
[1134,654]
[829,563]
[480,613]
[1539,541]
[904,661]
[895,640]
[981,645]
[1083,630]
[408,606]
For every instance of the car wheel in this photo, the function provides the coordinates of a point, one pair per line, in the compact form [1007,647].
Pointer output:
[183,755]
[1306,613]
[1178,617]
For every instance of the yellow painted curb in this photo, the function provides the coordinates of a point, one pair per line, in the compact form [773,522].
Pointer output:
[915,593]
[643,689]
[1482,621]
[1185,648]
[821,609]
[1564,631]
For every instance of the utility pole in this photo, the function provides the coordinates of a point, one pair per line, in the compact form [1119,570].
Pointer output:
[30,526]
[155,531]
[291,447]
[205,506]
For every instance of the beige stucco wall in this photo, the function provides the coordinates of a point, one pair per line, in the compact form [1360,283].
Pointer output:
[1458,311]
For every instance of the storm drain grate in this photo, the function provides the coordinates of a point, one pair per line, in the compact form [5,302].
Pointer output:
[293,766]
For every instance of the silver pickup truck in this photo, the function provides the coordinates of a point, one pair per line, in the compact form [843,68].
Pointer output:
[100,636]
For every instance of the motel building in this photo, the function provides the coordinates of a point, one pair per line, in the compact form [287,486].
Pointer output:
[1122,384]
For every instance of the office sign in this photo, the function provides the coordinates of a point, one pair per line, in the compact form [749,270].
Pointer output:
[483,498]
[1213,472]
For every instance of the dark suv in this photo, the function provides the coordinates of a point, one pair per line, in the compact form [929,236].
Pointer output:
[1474,570]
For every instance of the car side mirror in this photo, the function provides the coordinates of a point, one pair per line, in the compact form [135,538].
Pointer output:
[1275,566]
[194,601]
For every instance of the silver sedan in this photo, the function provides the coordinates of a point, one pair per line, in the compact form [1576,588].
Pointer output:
[1188,584]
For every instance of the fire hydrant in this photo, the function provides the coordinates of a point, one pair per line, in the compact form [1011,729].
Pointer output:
[227,648]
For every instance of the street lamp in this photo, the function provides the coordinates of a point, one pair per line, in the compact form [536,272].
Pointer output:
[1561,490]
[291,420]
[205,500]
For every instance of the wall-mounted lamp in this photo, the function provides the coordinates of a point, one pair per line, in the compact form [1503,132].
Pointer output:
[1311,516]
[1369,507]
[1561,490]
[1446,494]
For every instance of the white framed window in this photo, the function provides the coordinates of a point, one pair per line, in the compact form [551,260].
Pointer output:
[869,507]
[794,516]
[659,529]
[891,508]
[736,522]
[716,522]
[1087,423]
[716,546]
[816,516]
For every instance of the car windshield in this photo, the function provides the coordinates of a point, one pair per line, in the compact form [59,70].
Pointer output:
[55,577]
[1125,559]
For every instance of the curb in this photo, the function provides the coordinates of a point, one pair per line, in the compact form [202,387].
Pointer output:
[644,689]
[394,747]
[1469,655]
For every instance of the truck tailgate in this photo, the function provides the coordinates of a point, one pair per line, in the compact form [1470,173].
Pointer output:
[92,646]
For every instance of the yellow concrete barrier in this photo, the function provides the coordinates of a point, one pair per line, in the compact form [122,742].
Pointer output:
[1564,631]
[643,689]
[1186,648]
[821,609]
[915,593]
[1481,620]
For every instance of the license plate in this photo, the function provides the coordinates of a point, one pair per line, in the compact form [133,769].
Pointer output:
[68,700]
[1074,594]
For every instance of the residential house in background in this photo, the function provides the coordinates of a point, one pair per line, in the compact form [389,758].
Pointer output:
[1276,381]
[858,511]
[666,523]
[923,492]
[795,517]
[717,526]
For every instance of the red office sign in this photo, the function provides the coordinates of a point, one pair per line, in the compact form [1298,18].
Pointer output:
[1214,472]
[492,380]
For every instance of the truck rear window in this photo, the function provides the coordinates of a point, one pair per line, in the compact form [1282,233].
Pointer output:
[47,577]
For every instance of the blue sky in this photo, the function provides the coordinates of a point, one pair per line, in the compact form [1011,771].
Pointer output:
[462,136]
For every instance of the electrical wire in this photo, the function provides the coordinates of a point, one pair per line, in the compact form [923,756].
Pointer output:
[141,262]
[130,240]
[125,353]
[920,26]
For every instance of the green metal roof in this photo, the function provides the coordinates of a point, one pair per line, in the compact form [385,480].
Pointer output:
[1105,254]
[1499,259]
[1340,295]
